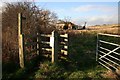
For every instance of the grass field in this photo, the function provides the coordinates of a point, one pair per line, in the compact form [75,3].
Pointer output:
[80,64]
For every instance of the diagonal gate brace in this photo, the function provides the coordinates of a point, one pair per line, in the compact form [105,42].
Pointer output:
[110,52]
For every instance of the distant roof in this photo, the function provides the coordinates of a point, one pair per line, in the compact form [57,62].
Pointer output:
[60,22]
[63,22]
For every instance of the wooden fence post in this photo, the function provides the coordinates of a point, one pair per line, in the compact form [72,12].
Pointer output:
[67,44]
[21,42]
[97,45]
[55,47]
[38,43]
[19,24]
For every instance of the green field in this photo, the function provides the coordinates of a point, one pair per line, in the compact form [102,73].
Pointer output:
[79,64]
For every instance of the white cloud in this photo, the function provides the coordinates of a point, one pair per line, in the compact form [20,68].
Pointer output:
[83,8]
[59,10]
[86,8]
[105,19]
[106,14]
[97,20]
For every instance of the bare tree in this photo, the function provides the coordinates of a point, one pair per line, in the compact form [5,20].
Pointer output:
[34,15]
[35,19]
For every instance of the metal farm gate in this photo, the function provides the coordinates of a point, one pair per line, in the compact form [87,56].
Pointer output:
[108,51]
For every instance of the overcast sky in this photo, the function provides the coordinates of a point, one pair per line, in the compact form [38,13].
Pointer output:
[93,12]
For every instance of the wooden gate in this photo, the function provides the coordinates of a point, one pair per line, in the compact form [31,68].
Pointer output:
[36,43]
[108,51]
[54,44]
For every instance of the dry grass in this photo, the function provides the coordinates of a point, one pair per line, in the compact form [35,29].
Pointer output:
[110,75]
[111,29]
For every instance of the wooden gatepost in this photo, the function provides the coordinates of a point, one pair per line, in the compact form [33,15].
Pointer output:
[21,42]
[57,45]
[54,44]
